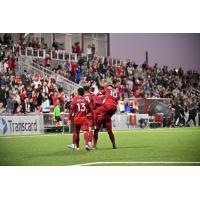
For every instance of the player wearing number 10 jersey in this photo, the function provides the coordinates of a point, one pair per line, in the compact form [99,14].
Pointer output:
[80,107]
[106,111]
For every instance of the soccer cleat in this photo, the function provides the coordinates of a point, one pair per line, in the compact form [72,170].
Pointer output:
[87,148]
[90,145]
[94,147]
[114,146]
[71,146]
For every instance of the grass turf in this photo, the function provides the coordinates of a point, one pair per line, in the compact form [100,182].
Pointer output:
[152,145]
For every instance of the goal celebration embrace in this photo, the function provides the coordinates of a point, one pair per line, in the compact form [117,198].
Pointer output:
[90,111]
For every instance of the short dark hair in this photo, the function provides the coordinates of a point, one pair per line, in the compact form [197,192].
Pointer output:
[92,89]
[86,88]
[81,91]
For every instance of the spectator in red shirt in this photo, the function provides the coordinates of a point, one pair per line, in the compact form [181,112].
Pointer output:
[23,95]
[10,63]
[73,70]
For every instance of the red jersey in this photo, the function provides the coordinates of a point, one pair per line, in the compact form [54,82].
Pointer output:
[54,97]
[79,106]
[98,100]
[111,96]
[10,64]
[89,97]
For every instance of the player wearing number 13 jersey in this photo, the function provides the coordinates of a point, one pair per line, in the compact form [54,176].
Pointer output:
[80,107]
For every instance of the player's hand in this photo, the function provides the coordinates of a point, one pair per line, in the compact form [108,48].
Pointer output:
[69,122]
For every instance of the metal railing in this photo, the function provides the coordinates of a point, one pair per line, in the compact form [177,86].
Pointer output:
[50,123]
[31,67]
[60,55]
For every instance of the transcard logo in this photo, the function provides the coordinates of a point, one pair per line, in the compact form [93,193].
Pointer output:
[3,126]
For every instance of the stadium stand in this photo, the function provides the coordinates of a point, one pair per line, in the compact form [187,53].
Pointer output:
[32,73]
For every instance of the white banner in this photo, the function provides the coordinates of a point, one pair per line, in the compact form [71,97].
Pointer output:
[21,125]
[127,121]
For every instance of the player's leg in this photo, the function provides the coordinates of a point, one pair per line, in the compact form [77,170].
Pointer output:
[87,148]
[85,134]
[73,145]
[99,111]
[85,129]
[99,122]
[76,138]
[108,126]
[90,132]
[95,137]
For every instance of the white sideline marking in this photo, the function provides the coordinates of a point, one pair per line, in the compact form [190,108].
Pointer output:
[96,163]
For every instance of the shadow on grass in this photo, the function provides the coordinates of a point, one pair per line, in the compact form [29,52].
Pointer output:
[70,152]
[124,147]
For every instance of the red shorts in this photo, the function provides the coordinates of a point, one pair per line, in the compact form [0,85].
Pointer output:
[106,109]
[85,126]
[90,121]
[104,121]
[80,120]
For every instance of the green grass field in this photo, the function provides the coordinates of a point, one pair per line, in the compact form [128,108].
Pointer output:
[152,145]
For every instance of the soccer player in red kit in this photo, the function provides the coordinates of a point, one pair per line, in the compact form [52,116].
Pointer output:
[103,114]
[80,107]
[89,96]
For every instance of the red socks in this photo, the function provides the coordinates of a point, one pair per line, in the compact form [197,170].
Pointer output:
[88,136]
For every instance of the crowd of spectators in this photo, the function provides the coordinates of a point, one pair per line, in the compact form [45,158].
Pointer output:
[130,80]
[26,93]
